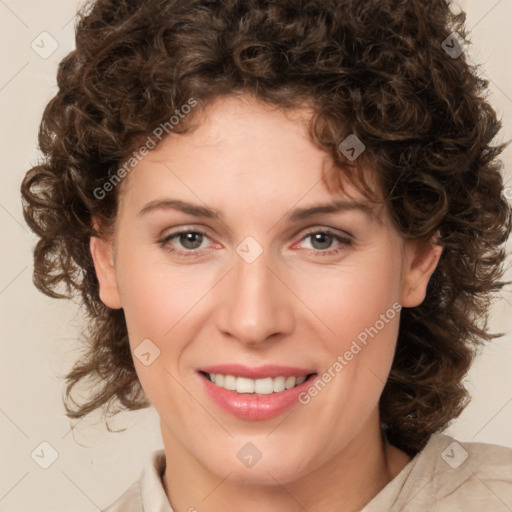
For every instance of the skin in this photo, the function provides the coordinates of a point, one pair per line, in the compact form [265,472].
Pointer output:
[293,305]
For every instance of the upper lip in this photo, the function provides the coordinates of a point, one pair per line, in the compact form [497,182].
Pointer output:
[256,372]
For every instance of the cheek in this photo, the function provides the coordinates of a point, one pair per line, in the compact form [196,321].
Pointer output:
[147,302]
[360,305]
[152,294]
[159,303]
[353,298]
[157,306]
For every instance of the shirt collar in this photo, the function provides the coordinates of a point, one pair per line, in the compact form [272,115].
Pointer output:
[153,494]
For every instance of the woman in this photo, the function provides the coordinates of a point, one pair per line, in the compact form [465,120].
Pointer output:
[285,220]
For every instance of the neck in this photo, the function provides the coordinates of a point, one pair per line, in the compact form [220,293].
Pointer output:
[345,482]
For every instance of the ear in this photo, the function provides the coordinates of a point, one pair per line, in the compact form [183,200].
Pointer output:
[420,261]
[103,257]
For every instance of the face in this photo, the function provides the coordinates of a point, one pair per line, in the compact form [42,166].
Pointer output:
[223,263]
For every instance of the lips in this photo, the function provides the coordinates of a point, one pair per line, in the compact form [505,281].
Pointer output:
[255,393]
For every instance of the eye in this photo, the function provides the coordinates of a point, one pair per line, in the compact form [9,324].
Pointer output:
[188,242]
[323,240]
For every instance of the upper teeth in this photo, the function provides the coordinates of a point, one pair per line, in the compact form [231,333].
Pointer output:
[264,386]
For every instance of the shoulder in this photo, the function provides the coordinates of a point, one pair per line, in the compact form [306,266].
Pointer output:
[457,475]
[450,475]
[452,460]
[147,493]
[129,501]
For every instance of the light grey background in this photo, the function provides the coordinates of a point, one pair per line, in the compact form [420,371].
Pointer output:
[39,334]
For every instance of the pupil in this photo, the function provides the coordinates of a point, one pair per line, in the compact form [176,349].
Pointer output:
[190,240]
[324,240]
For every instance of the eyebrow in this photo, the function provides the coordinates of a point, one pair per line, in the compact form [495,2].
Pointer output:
[182,206]
[293,216]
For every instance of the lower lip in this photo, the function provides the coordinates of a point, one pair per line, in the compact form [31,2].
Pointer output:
[250,406]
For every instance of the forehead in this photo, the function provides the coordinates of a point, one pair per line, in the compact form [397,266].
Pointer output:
[242,149]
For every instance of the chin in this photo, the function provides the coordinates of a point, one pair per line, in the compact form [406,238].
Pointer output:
[276,464]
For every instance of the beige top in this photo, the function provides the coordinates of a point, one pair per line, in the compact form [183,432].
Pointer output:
[445,476]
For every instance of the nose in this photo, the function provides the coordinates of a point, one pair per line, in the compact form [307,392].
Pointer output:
[256,305]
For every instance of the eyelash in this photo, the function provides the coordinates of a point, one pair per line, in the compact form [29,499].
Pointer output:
[328,252]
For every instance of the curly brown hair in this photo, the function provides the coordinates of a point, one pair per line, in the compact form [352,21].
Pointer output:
[374,68]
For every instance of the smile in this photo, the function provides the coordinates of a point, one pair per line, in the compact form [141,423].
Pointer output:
[264,386]
[255,393]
